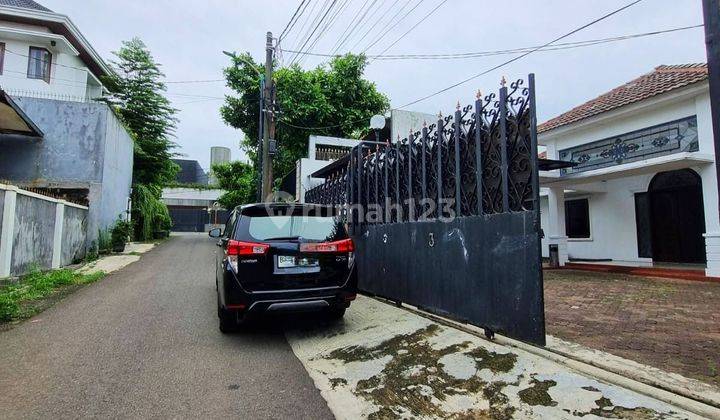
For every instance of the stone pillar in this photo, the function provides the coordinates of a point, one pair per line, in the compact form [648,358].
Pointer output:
[556,222]
[58,233]
[8,230]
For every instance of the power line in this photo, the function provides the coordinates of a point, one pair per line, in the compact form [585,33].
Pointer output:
[328,25]
[194,81]
[377,22]
[399,21]
[480,54]
[322,31]
[523,55]
[358,25]
[413,27]
[302,31]
[348,27]
[574,31]
[314,25]
[292,20]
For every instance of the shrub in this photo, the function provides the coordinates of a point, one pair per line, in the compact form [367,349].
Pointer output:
[120,233]
[104,241]
[149,211]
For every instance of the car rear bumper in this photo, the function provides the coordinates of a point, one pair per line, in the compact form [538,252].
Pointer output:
[235,298]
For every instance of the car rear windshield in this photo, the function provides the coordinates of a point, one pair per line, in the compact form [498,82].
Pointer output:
[264,227]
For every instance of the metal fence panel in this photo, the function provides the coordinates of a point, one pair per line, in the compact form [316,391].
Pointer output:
[481,263]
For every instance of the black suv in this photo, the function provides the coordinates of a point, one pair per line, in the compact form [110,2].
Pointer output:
[283,258]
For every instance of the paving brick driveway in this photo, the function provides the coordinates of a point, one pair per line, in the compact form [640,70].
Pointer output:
[670,324]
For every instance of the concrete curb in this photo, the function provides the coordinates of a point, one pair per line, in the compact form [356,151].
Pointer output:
[620,379]
[675,383]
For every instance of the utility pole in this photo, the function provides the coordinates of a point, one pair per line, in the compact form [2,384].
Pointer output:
[269,126]
[711,14]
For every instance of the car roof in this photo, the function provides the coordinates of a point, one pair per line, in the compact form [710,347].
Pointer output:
[296,207]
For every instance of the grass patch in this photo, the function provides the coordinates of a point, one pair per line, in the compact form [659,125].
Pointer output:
[19,300]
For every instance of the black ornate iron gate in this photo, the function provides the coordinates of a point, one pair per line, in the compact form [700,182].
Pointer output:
[448,218]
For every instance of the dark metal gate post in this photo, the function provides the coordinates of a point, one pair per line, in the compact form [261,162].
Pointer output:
[438,147]
[478,153]
[711,15]
[424,167]
[458,180]
[398,206]
[411,202]
[503,148]
[536,187]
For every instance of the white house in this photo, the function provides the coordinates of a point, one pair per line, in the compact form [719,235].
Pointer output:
[644,189]
[80,150]
[43,54]
[321,151]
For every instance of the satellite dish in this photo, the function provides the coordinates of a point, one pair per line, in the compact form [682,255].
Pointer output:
[377,122]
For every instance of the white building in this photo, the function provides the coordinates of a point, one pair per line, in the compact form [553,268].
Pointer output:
[79,149]
[322,151]
[644,190]
[43,54]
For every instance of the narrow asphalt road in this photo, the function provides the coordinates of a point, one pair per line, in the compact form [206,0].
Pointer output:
[144,342]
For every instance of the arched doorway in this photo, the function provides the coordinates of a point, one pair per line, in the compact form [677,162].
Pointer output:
[677,217]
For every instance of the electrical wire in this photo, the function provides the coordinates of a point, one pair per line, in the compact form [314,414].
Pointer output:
[322,32]
[574,31]
[413,27]
[291,21]
[328,25]
[377,22]
[334,48]
[399,21]
[358,25]
[554,47]
[303,26]
[314,25]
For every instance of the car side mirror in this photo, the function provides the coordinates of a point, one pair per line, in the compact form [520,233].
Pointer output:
[215,233]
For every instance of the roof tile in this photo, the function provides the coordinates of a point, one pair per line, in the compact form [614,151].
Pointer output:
[25,4]
[663,79]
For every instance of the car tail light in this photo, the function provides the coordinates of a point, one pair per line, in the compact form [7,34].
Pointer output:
[246,248]
[346,245]
[237,249]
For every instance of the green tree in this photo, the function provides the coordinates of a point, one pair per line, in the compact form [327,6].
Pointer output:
[138,97]
[239,180]
[335,96]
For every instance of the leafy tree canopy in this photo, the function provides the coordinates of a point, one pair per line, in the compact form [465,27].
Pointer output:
[239,180]
[138,97]
[334,96]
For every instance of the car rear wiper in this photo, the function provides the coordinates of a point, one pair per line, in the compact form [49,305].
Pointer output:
[280,238]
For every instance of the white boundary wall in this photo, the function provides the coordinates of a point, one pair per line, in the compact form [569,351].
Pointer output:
[28,238]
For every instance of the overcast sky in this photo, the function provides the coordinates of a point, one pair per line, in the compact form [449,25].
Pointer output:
[188,37]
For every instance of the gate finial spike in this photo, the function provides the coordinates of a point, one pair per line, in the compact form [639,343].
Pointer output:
[478,95]
[440,115]
[424,124]
[503,81]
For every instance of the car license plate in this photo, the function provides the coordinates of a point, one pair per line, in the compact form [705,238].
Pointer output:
[287,261]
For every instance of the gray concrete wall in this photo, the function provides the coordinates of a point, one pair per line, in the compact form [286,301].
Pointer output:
[73,235]
[85,146]
[2,209]
[33,234]
[71,151]
[117,172]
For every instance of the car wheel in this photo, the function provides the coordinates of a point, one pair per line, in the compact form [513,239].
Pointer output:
[336,313]
[228,321]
